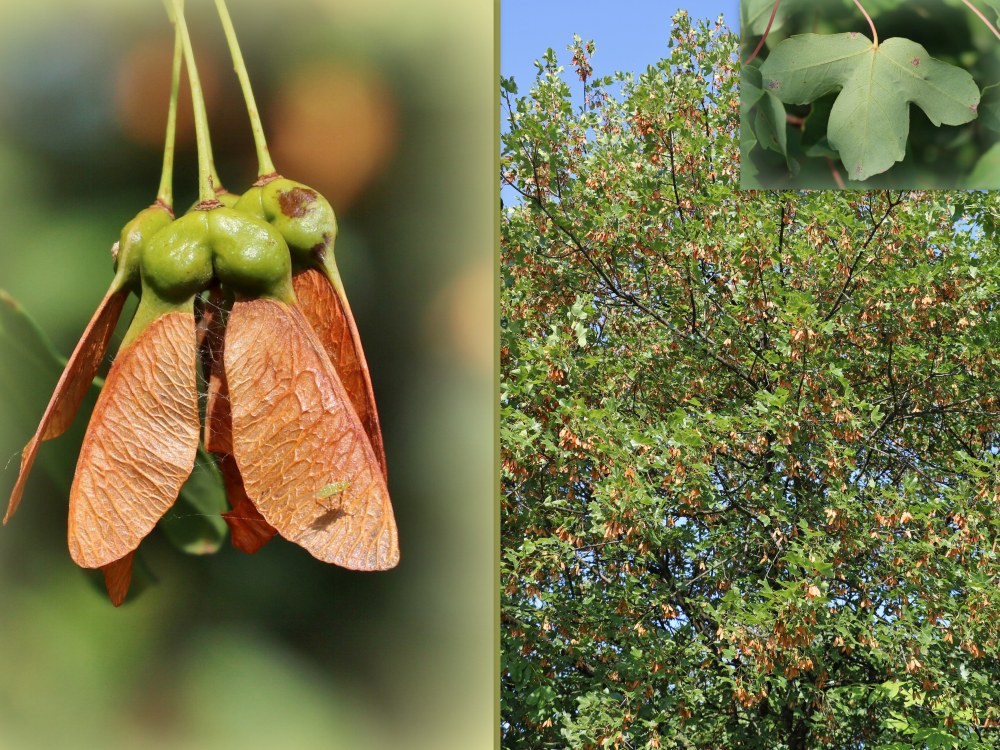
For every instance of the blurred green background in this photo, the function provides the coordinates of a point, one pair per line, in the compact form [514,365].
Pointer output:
[387,108]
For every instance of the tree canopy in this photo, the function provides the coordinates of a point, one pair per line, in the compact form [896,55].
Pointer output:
[749,439]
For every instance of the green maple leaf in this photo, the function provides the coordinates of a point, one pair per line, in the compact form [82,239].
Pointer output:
[870,119]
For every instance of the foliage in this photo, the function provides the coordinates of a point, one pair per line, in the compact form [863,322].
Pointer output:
[748,439]
[829,109]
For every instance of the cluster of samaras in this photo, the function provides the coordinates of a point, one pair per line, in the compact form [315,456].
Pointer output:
[245,288]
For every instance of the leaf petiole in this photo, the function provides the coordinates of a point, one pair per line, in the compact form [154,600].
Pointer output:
[767,31]
[871,24]
[982,18]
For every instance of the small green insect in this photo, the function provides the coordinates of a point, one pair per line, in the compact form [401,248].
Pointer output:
[332,489]
[327,496]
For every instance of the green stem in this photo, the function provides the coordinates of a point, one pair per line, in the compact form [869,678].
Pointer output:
[206,188]
[264,164]
[165,195]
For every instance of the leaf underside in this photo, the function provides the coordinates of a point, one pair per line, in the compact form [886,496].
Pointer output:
[986,174]
[870,119]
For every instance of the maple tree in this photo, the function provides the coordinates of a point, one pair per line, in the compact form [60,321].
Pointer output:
[749,439]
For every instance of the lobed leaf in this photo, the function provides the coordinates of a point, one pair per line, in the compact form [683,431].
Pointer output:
[870,119]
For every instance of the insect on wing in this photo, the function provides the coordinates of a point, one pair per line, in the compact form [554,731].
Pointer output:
[295,433]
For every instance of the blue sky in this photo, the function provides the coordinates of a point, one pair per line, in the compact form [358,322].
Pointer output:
[629,34]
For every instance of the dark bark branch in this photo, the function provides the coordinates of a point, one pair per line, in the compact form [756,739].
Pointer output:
[857,260]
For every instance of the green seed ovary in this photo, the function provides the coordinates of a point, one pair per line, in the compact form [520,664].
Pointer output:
[152,306]
[304,218]
[177,262]
[249,256]
[134,238]
[246,254]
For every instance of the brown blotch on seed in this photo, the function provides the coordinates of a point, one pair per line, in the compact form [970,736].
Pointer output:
[318,251]
[296,202]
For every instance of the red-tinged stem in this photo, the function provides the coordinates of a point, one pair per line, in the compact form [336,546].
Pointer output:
[767,30]
[836,174]
[871,25]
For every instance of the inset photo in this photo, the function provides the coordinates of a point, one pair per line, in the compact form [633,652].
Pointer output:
[861,94]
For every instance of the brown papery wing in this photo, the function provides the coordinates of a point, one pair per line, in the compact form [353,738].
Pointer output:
[72,387]
[247,527]
[118,577]
[334,324]
[306,461]
[140,445]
